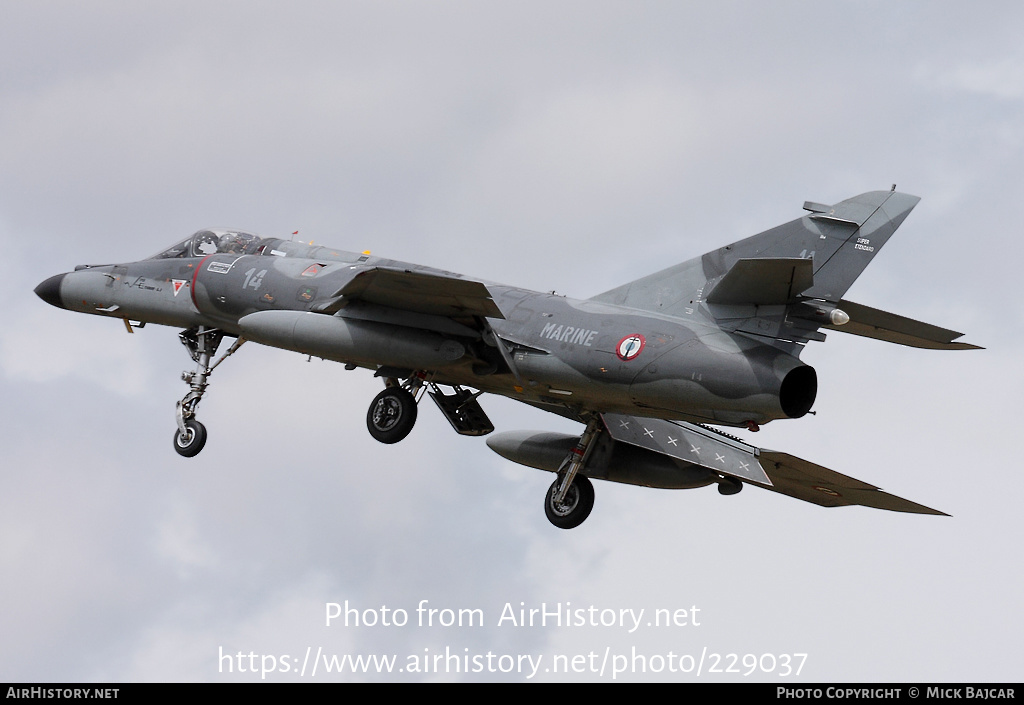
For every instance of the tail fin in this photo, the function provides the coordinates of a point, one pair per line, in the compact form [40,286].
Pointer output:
[843,259]
[838,240]
[788,282]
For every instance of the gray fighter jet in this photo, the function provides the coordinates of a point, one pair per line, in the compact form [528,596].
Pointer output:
[648,367]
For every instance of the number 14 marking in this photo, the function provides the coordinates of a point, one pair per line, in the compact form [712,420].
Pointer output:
[253,281]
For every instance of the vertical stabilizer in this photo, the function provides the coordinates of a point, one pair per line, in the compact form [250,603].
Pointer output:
[840,241]
[835,273]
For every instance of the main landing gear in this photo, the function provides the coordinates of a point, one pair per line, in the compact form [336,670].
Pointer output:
[570,498]
[202,344]
[574,508]
[392,413]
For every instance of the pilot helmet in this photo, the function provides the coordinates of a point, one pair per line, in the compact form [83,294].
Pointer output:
[235,242]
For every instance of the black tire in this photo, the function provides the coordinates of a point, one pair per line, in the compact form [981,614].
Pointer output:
[192,442]
[572,512]
[392,415]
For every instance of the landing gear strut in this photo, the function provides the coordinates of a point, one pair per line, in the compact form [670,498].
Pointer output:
[570,498]
[202,344]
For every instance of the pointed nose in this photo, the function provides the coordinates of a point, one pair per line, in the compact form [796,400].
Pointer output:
[49,290]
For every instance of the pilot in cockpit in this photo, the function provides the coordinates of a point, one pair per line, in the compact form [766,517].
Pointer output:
[235,242]
[211,242]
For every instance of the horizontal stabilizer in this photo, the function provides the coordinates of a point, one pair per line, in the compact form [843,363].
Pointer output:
[764,282]
[881,325]
[418,292]
[813,483]
[838,241]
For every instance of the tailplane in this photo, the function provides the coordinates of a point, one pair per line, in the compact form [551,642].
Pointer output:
[788,282]
[838,241]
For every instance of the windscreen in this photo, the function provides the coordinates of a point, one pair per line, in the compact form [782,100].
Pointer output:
[210,242]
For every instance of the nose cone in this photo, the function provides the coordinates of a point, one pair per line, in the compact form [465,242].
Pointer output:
[49,290]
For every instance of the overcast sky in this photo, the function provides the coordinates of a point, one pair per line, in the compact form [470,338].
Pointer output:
[558,145]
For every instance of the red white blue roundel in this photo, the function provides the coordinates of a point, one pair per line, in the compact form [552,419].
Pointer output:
[630,346]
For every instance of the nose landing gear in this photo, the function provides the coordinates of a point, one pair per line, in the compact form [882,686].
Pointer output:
[202,344]
[190,442]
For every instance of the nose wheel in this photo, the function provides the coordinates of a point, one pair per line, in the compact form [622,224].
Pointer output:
[202,344]
[189,443]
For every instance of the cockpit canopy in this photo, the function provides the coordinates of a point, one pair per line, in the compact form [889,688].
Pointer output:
[211,242]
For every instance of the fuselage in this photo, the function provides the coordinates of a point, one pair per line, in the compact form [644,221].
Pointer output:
[572,356]
[713,339]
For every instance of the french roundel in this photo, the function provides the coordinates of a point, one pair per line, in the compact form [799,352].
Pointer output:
[630,346]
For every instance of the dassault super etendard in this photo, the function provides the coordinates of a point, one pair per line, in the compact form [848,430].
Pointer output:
[647,367]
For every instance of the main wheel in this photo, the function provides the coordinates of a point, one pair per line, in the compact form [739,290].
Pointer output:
[189,444]
[575,508]
[392,415]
